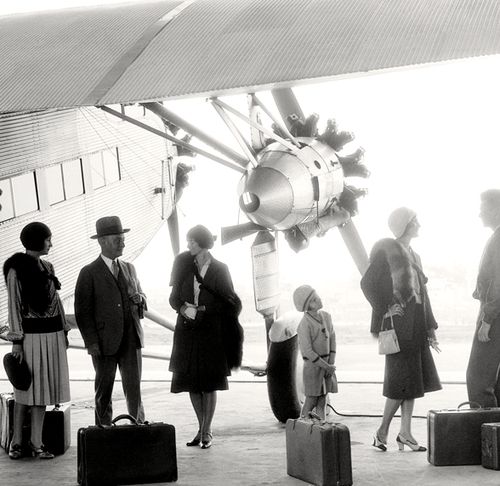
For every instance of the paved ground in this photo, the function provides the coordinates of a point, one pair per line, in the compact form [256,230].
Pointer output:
[249,445]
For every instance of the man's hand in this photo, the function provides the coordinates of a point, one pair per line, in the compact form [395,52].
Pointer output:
[94,350]
[483,333]
[136,298]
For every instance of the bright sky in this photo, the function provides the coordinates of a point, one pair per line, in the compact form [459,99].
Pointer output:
[430,136]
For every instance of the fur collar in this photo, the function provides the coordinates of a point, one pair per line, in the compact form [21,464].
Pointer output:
[404,273]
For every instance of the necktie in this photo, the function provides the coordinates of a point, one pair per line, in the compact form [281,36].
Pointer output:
[115,268]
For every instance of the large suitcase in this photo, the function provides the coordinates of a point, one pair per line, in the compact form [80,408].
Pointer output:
[126,454]
[490,445]
[454,435]
[6,419]
[318,453]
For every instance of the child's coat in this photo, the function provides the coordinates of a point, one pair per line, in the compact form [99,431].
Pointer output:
[317,346]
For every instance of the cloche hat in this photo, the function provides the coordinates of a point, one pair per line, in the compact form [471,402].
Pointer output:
[399,219]
[302,296]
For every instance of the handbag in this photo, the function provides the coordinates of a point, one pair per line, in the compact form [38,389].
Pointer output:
[387,338]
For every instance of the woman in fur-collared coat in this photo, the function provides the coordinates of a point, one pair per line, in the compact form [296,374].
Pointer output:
[394,284]
[38,331]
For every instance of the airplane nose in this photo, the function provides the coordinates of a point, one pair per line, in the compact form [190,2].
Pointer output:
[267,196]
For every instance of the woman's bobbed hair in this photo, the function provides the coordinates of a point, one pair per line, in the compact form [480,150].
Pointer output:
[202,236]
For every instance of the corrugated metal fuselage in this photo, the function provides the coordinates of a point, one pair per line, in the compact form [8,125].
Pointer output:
[119,164]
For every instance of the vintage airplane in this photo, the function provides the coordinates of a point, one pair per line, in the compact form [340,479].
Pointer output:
[84,129]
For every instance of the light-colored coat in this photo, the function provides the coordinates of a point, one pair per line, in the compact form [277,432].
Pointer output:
[317,346]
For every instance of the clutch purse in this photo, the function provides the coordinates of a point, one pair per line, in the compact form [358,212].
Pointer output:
[387,338]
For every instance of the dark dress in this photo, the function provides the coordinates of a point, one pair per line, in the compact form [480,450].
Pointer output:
[411,372]
[198,360]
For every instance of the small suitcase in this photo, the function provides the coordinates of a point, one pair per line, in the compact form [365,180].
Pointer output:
[490,435]
[126,454]
[56,433]
[318,453]
[454,436]
[6,419]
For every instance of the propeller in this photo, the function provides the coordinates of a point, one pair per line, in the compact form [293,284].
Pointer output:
[173,230]
[182,170]
[287,105]
[238,231]
[355,246]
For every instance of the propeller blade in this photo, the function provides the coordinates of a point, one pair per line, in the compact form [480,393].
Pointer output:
[287,104]
[173,229]
[355,246]
[238,231]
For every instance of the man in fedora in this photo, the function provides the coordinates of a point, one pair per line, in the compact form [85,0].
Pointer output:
[109,304]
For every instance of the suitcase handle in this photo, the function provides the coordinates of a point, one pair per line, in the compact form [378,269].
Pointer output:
[476,405]
[123,417]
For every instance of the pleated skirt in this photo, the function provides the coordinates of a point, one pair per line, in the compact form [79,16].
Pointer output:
[46,357]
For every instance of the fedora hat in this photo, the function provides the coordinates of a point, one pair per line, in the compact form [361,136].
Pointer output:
[108,225]
[17,372]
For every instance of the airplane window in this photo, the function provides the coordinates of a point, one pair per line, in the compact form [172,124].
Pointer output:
[25,193]
[6,204]
[97,170]
[54,184]
[73,178]
[111,165]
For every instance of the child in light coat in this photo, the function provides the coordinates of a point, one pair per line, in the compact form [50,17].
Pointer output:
[318,347]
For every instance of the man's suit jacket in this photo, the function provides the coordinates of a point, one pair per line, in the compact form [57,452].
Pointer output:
[98,305]
[488,281]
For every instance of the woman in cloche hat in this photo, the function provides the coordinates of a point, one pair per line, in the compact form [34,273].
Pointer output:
[394,284]
[38,330]
[201,293]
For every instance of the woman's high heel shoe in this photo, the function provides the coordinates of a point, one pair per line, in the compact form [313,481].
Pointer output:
[402,442]
[378,443]
[196,441]
[206,441]
[15,451]
[40,452]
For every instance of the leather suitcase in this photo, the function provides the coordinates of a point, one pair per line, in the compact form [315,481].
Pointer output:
[126,454]
[318,453]
[56,434]
[454,435]
[490,435]
[6,419]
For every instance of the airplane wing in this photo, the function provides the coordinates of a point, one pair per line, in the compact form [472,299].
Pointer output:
[146,51]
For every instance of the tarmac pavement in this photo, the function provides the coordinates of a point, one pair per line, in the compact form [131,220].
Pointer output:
[249,444]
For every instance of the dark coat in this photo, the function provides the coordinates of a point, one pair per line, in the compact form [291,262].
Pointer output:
[98,306]
[377,287]
[198,347]
[411,372]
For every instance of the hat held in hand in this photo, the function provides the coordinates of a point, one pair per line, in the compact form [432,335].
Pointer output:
[17,372]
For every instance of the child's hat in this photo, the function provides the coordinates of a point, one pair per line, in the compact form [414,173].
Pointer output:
[302,296]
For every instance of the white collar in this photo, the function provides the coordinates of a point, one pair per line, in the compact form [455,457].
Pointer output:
[109,262]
